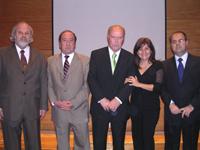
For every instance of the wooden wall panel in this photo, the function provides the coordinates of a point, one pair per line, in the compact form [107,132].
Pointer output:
[185,15]
[36,12]
[29,10]
[181,15]
[183,9]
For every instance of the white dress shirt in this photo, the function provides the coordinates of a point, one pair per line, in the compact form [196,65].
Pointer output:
[26,52]
[71,55]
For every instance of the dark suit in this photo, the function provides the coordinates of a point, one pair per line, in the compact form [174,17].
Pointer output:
[182,94]
[102,84]
[23,96]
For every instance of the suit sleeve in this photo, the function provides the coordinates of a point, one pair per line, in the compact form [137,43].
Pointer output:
[125,91]
[92,79]
[43,82]
[51,92]
[196,99]
[165,96]
[0,80]
[83,94]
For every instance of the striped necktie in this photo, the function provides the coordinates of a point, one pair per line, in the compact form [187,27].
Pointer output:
[66,66]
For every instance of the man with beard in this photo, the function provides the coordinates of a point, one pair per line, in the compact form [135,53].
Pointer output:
[23,98]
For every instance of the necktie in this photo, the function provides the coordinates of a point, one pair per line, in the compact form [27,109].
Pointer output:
[23,59]
[114,62]
[66,66]
[180,69]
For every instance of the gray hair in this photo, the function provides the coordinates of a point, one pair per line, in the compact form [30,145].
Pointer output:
[14,30]
[115,26]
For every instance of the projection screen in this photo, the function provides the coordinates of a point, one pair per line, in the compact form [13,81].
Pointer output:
[90,19]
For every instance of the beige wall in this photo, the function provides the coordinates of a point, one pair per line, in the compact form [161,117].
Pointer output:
[181,15]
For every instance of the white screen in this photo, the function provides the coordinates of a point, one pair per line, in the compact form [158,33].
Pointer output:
[90,19]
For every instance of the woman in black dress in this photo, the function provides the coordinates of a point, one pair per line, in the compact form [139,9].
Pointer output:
[145,103]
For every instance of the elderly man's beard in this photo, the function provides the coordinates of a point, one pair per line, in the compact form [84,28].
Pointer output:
[23,43]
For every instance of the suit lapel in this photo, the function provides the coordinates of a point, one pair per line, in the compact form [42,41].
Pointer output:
[186,70]
[120,63]
[107,65]
[15,57]
[59,66]
[75,61]
[31,59]
[72,69]
[188,66]
[174,69]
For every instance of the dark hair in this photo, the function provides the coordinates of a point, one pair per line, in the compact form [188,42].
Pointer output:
[178,32]
[60,36]
[140,42]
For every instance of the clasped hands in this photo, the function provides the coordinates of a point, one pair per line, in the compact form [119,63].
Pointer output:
[184,111]
[109,105]
[63,104]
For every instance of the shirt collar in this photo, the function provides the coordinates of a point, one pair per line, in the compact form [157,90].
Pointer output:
[111,52]
[71,55]
[26,49]
[184,57]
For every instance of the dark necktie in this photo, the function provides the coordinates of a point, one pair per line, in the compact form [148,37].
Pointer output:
[180,69]
[66,66]
[23,59]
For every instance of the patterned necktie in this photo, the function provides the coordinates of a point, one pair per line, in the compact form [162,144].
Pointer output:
[66,66]
[23,59]
[114,62]
[180,69]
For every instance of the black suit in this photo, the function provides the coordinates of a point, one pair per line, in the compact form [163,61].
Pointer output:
[182,94]
[23,95]
[102,84]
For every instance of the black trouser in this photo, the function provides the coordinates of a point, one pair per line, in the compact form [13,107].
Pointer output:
[100,126]
[173,136]
[143,129]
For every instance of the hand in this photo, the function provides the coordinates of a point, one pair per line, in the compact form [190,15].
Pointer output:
[126,80]
[174,109]
[133,81]
[42,113]
[114,104]
[63,104]
[1,114]
[105,104]
[187,110]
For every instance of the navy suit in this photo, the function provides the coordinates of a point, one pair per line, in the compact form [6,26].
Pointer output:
[184,93]
[102,84]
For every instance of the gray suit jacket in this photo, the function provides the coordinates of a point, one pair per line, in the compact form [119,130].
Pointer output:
[23,93]
[73,88]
